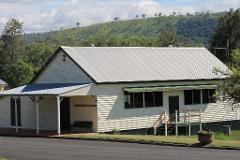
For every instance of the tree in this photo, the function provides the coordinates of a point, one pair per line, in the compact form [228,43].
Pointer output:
[19,73]
[227,35]
[144,15]
[36,54]
[229,89]
[78,24]
[169,37]
[226,40]
[12,47]
[116,19]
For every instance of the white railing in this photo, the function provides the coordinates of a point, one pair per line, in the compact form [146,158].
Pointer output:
[188,117]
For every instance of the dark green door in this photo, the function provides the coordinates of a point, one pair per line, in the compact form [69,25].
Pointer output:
[173,106]
[65,114]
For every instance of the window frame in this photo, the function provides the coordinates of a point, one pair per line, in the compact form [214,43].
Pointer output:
[127,100]
[13,103]
[204,96]
[153,98]
[210,98]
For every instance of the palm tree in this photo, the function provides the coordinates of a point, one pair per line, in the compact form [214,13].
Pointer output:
[78,24]
[115,19]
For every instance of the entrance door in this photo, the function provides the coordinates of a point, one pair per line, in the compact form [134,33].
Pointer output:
[173,106]
[65,114]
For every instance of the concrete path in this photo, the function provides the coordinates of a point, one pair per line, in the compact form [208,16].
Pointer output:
[60,149]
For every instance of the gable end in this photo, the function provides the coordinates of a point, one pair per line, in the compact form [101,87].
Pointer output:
[61,68]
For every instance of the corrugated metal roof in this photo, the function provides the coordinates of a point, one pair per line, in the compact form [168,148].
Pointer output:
[2,82]
[127,64]
[42,89]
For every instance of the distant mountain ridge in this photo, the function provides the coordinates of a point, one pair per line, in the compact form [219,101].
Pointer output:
[192,30]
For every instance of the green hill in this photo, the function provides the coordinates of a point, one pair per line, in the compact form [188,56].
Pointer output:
[189,30]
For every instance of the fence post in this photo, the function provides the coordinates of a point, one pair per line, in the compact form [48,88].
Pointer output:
[236,113]
[155,130]
[189,124]
[200,120]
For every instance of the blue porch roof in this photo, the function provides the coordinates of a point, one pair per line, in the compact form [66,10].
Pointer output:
[42,89]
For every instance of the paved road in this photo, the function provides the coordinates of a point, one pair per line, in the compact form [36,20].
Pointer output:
[60,149]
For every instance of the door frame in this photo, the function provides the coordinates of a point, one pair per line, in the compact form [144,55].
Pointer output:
[170,111]
[66,113]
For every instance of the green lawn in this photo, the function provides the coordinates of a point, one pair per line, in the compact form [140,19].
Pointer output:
[234,136]
[221,141]
[3,158]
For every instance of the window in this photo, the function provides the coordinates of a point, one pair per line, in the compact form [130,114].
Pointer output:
[196,97]
[143,99]
[138,100]
[188,97]
[158,96]
[192,97]
[133,100]
[205,96]
[149,99]
[212,96]
[13,111]
[209,96]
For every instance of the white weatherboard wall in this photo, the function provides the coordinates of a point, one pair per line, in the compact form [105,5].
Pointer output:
[112,114]
[78,113]
[48,113]
[59,71]
[27,113]
[5,112]
[1,88]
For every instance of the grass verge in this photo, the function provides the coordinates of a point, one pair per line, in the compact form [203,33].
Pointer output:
[3,158]
[161,140]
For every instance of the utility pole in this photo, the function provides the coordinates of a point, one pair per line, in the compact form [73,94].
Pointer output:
[227,52]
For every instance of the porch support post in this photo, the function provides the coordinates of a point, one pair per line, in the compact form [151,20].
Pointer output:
[16,115]
[37,115]
[58,116]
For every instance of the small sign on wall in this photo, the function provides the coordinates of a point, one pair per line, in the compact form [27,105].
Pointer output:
[85,105]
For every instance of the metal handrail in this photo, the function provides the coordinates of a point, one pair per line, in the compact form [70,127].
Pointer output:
[160,119]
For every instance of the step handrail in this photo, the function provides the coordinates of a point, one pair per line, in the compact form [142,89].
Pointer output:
[159,120]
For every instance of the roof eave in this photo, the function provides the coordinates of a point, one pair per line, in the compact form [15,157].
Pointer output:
[149,81]
[21,95]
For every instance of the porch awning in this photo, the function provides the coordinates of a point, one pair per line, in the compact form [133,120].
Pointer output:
[43,89]
[169,88]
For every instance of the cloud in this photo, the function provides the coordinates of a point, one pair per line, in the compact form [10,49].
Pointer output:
[220,5]
[45,15]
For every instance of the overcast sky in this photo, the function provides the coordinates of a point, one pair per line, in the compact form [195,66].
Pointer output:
[46,15]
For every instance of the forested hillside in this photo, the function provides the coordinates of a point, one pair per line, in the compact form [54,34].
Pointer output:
[22,55]
[187,30]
